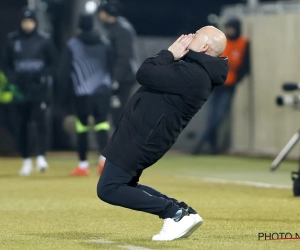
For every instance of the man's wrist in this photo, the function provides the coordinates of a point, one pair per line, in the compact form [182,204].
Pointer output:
[173,54]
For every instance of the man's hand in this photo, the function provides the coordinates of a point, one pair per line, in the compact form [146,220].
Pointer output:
[180,47]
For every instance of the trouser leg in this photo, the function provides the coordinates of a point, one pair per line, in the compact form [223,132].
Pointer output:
[82,136]
[220,104]
[118,188]
[24,112]
[82,108]
[39,117]
[102,126]
[158,194]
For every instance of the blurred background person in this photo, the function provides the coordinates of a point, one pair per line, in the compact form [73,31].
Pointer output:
[237,51]
[88,63]
[123,39]
[28,61]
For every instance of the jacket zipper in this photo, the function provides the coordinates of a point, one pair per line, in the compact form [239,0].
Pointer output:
[151,132]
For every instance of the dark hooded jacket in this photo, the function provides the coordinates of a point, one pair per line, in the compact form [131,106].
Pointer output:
[123,39]
[86,67]
[28,60]
[172,92]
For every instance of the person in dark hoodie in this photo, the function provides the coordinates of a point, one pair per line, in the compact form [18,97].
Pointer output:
[29,59]
[88,60]
[175,85]
[237,51]
[122,36]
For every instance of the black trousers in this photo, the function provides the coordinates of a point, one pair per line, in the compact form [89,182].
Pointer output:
[98,106]
[34,112]
[118,188]
[220,106]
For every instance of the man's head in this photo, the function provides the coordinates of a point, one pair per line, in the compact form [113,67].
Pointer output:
[233,29]
[28,21]
[209,40]
[108,11]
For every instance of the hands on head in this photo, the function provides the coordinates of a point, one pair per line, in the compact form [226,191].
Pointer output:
[180,47]
[208,40]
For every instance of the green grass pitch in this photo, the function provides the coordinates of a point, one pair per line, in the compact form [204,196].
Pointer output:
[55,211]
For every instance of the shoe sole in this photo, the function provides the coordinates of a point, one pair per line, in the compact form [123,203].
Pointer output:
[186,232]
[25,173]
[193,229]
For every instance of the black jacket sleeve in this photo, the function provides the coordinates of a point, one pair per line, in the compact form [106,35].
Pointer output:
[65,88]
[245,69]
[50,56]
[8,62]
[163,74]
[123,56]
[111,60]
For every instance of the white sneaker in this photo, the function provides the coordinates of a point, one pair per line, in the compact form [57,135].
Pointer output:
[173,230]
[26,168]
[41,164]
[197,223]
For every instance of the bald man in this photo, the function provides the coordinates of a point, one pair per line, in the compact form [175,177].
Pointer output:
[175,85]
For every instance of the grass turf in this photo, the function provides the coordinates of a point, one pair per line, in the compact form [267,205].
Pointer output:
[55,211]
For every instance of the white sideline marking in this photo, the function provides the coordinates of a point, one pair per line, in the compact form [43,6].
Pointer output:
[102,241]
[246,183]
[130,247]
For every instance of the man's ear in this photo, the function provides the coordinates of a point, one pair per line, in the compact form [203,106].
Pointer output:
[204,48]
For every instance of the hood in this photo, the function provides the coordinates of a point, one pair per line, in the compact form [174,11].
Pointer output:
[111,7]
[216,67]
[28,13]
[236,25]
[86,22]
[89,37]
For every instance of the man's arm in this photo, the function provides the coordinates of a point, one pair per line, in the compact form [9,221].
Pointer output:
[110,61]
[162,74]
[8,62]
[50,53]
[123,52]
[64,83]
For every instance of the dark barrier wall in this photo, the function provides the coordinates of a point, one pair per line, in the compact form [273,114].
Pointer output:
[9,17]
[9,21]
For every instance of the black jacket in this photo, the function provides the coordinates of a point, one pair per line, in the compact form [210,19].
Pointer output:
[123,39]
[28,61]
[172,92]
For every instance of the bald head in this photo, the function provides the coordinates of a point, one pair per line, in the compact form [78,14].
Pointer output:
[209,40]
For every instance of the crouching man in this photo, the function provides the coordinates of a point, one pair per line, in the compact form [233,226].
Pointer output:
[175,85]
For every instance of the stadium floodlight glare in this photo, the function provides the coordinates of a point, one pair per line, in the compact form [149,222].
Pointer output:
[90,6]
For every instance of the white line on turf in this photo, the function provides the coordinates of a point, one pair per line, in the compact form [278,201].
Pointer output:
[130,247]
[101,241]
[246,183]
